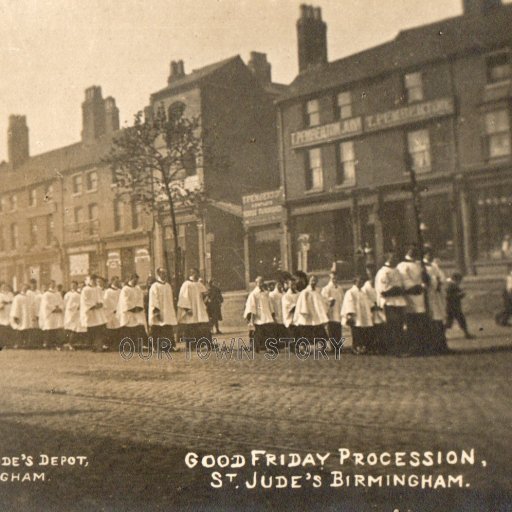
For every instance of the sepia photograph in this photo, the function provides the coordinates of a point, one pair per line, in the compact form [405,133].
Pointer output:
[255,255]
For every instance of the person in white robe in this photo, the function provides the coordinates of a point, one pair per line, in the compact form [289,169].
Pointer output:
[34,295]
[21,317]
[6,298]
[51,315]
[417,320]
[192,313]
[130,311]
[437,303]
[389,287]
[276,298]
[378,332]
[73,328]
[357,313]
[310,315]
[92,314]
[110,302]
[259,312]
[289,303]
[333,294]
[161,314]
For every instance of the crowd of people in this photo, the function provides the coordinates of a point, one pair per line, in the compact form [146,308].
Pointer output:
[99,316]
[402,309]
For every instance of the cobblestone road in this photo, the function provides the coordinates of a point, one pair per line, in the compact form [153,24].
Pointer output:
[101,404]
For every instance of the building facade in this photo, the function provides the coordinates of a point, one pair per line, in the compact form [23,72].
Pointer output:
[234,102]
[436,99]
[60,218]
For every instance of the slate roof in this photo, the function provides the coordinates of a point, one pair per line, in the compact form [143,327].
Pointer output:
[49,165]
[410,48]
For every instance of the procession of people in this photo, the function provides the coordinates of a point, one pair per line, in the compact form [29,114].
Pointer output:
[98,316]
[403,309]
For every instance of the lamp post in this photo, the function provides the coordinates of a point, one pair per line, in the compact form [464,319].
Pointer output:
[416,200]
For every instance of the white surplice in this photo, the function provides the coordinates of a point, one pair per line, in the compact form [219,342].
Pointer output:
[289,303]
[276,298]
[161,298]
[35,302]
[311,308]
[334,296]
[260,306]
[89,297]
[72,312]
[22,310]
[389,277]
[411,275]
[5,307]
[191,306]
[378,316]
[356,303]
[49,318]
[110,302]
[129,298]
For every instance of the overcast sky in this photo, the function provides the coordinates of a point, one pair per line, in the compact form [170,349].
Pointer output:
[51,50]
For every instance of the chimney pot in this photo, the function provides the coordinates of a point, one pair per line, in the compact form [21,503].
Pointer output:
[260,67]
[312,38]
[17,140]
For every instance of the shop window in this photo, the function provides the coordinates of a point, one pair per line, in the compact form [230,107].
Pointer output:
[92,181]
[414,87]
[497,133]
[77,184]
[344,105]
[32,197]
[14,236]
[346,164]
[312,113]
[322,239]
[499,67]
[50,229]
[418,143]
[493,221]
[314,172]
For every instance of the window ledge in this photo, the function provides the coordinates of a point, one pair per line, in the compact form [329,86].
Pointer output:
[340,186]
[314,191]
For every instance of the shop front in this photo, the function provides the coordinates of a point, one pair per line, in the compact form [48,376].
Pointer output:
[265,241]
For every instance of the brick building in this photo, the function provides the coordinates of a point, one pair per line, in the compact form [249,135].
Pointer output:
[59,218]
[436,98]
[235,105]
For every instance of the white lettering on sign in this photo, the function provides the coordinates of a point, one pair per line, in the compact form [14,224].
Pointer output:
[351,127]
[265,206]
[333,131]
[411,113]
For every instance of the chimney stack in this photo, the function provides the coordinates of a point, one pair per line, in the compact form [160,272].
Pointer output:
[480,7]
[93,115]
[260,67]
[111,115]
[312,37]
[17,140]
[177,71]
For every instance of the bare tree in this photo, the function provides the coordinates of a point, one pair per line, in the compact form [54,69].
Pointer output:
[149,161]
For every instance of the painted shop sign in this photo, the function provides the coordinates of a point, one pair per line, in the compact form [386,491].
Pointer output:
[409,114]
[262,208]
[381,121]
[334,131]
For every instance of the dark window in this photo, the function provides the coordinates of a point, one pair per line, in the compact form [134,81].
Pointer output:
[499,67]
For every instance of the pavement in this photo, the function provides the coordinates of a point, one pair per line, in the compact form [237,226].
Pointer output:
[135,420]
